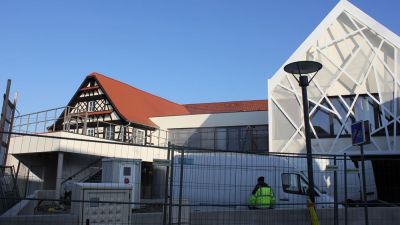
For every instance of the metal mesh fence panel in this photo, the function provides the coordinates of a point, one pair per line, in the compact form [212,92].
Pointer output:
[65,178]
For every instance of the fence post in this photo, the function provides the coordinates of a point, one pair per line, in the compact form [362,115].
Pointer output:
[171,184]
[335,193]
[181,187]
[26,183]
[345,189]
[364,185]
[166,185]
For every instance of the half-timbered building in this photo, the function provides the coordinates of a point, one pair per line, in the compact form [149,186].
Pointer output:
[108,118]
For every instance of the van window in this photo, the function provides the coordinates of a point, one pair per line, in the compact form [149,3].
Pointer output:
[295,184]
[291,183]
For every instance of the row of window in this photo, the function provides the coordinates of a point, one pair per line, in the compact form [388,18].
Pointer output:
[109,133]
[240,138]
[329,125]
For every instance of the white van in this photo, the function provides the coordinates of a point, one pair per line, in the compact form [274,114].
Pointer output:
[227,180]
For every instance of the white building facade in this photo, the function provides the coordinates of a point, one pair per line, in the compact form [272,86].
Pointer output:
[359,80]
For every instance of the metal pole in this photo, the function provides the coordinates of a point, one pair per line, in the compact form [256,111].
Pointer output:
[364,184]
[166,185]
[171,185]
[4,108]
[26,183]
[11,124]
[304,83]
[181,187]
[345,189]
[335,194]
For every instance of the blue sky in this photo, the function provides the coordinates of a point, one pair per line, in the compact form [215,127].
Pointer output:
[187,51]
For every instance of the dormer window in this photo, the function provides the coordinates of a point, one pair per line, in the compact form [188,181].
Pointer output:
[91,106]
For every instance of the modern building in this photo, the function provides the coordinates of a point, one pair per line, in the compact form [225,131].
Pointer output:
[359,80]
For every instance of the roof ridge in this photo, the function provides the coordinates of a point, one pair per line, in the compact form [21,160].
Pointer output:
[226,102]
[96,73]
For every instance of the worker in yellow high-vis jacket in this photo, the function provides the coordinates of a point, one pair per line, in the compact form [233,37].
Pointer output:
[262,196]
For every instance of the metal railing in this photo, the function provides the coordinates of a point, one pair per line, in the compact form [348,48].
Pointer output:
[70,119]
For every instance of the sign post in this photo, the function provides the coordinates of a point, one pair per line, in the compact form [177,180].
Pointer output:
[360,135]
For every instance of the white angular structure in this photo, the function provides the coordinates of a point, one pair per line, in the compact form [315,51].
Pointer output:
[360,80]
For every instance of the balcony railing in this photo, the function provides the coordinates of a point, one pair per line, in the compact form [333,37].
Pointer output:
[70,119]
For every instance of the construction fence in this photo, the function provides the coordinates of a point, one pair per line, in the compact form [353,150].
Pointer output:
[71,180]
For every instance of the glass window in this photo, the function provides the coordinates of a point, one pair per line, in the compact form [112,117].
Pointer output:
[233,138]
[246,138]
[320,119]
[240,138]
[90,131]
[91,106]
[207,138]
[260,139]
[195,139]
[220,138]
[341,108]
[138,137]
[109,132]
[290,183]
[328,124]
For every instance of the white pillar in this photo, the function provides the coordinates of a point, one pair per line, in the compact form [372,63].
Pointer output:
[60,165]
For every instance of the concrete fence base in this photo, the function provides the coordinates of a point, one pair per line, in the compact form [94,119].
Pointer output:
[377,216]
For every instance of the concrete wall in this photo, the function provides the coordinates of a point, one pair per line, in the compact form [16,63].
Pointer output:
[377,216]
[31,144]
[59,219]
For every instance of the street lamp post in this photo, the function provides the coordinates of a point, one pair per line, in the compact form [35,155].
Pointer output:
[306,71]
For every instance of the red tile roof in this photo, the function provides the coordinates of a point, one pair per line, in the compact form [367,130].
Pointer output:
[138,106]
[224,107]
[135,105]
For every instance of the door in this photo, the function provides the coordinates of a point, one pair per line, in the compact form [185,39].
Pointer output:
[130,174]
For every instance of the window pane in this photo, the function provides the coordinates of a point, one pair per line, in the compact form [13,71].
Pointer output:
[320,120]
[195,139]
[260,139]
[109,132]
[220,138]
[90,131]
[207,138]
[233,138]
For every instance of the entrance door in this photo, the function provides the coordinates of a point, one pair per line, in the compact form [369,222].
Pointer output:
[387,177]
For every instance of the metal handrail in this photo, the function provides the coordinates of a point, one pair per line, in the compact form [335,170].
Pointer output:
[81,170]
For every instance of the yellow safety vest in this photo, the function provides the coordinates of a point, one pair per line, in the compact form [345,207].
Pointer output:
[263,198]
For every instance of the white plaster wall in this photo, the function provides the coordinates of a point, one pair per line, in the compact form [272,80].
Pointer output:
[212,120]
[31,144]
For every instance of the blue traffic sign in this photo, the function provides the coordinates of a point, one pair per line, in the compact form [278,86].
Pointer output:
[360,133]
